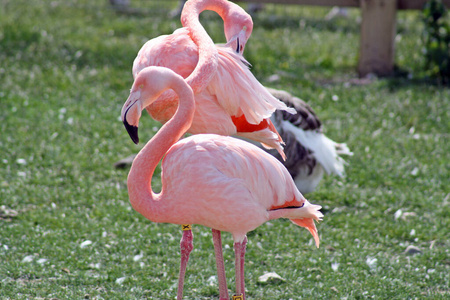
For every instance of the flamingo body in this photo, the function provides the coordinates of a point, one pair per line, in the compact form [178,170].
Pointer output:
[233,91]
[168,51]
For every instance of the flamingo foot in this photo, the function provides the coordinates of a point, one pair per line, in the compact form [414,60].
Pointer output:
[223,289]
[186,246]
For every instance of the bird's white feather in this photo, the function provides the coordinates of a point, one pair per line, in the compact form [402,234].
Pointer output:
[323,148]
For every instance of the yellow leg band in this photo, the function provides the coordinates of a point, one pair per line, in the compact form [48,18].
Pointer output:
[238,297]
[186,227]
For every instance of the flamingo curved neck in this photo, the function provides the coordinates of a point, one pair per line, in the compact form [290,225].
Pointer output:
[141,172]
[208,56]
[196,7]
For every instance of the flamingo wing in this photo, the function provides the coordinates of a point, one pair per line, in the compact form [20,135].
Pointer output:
[239,92]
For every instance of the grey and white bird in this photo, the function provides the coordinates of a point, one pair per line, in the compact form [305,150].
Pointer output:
[310,153]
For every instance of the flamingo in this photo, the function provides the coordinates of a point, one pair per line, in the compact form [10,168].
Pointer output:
[309,152]
[230,100]
[217,181]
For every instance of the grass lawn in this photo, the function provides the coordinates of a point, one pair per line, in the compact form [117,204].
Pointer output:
[67,230]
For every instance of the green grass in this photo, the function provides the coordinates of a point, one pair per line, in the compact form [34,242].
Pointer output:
[65,71]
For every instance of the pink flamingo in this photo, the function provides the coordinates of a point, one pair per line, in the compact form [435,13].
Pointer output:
[205,178]
[229,99]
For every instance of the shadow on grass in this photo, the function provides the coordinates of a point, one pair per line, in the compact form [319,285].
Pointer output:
[295,22]
[396,83]
[266,19]
[321,73]
[400,80]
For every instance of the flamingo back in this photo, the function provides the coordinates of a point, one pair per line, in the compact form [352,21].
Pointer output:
[176,51]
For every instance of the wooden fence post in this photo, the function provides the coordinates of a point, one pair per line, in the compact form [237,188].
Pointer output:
[378,29]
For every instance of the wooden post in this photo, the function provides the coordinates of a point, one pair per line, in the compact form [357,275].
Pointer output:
[378,27]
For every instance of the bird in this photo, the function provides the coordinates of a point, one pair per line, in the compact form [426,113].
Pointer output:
[230,100]
[212,180]
[310,153]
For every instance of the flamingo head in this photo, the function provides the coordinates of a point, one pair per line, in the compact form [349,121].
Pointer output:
[148,85]
[237,31]
[131,113]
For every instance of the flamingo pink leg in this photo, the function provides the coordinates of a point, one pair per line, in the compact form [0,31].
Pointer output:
[223,289]
[186,246]
[239,251]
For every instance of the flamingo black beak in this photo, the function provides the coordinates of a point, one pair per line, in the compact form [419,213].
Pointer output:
[238,46]
[132,130]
